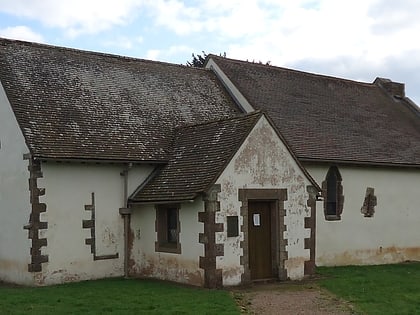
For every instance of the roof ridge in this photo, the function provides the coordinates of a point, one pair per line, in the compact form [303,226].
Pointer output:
[312,74]
[7,41]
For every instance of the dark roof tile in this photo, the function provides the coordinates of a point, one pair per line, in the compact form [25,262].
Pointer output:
[200,154]
[327,118]
[78,104]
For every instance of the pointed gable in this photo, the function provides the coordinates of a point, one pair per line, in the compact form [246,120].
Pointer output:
[201,153]
[199,156]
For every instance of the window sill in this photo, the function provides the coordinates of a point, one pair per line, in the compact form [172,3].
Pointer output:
[168,248]
[332,217]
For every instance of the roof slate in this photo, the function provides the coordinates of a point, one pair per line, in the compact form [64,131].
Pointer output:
[200,154]
[85,105]
[330,119]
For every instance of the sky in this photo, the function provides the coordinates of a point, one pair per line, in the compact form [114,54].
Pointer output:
[357,40]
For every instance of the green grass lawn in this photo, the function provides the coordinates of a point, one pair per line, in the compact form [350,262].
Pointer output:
[384,289]
[115,296]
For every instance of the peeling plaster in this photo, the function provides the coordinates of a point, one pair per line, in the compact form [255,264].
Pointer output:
[268,158]
[263,161]
[167,267]
[146,262]
[294,266]
[108,237]
[70,259]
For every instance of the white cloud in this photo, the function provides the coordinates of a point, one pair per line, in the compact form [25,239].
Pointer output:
[176,16]
[22,33]
[232,18]
[167,54]
[291,30]
[153,54]
[173,50]
[356,39]
[123,42]
[76,16]
[288,31]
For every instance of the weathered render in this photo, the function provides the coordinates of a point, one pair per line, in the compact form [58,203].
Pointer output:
[113,166]
[80,132]
[184,266]
[388,234]
[14,197]
[236,161]
[264,169]
[84,231]
[369,132]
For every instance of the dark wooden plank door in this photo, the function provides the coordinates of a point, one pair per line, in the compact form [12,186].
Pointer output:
[259,240]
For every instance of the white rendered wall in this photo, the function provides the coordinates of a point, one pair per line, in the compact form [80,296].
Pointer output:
[184,267]
[263,161]
[14,198]
[68,189]
[390,236]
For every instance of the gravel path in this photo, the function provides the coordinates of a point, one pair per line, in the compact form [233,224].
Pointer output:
[288,299]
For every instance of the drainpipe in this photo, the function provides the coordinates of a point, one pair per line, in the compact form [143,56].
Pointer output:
[125,211]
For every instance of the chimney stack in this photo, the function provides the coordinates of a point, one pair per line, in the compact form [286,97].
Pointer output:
[395,89]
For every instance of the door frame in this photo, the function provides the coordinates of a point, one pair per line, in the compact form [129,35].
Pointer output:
[267,213]
[279,254]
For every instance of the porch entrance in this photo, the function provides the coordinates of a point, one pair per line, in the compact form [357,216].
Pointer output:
[260,239]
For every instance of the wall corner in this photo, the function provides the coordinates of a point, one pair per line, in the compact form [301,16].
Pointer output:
[310,223]
[212,276]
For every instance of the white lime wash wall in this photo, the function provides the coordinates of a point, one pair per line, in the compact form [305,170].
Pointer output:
[14,198]
[263,161]
[390,236]
[145,261]
[68,188]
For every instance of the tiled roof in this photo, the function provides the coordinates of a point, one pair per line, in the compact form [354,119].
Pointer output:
[85,105]
[200,154]
[331,119]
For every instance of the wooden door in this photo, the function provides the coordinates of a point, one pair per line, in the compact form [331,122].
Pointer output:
[259,240]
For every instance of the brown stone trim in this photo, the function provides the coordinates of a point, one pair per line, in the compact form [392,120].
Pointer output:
[212,277]
[105,257]
[284,255]
[368,208]
[278,196]
[310,223]
[90,224]
[35,223]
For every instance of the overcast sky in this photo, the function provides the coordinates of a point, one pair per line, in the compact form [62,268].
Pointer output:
[358,39]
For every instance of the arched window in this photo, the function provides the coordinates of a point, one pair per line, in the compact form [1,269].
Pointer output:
[332,191]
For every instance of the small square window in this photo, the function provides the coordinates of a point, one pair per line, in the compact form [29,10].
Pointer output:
[232,226]
[168,228]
